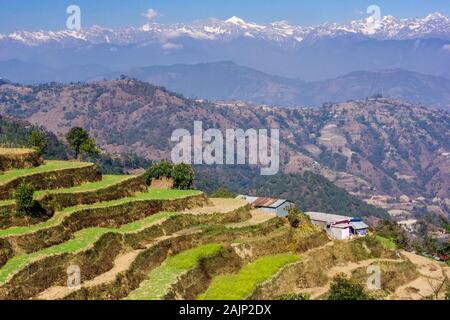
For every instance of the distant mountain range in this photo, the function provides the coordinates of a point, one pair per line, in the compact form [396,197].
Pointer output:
[228,81]
[309,53]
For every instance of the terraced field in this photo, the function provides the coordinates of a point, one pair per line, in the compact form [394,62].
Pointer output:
[48,166]
[106,182]
[240,285]
[60,216]
[81,241]
[160,279]
[18,158]
[137,243]
[49,175]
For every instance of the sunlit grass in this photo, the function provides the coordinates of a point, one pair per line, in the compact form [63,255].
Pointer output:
[82,240]
[161,278]
[59,216]
[48,166]
[386,243]
[240,285]
[107,181]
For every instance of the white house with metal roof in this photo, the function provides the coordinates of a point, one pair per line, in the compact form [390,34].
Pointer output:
[280,207]
[337,226]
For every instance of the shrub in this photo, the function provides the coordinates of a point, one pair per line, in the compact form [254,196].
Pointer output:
[295,296]
[24,199]
[157,171]
[345,289]
[183,176]
[223,193]
[25,204]
[297,218]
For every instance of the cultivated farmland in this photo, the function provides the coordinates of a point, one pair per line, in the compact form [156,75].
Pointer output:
[127,240]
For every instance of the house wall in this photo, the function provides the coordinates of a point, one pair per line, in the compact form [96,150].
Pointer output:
[339,233]
[282,211]
[270,210]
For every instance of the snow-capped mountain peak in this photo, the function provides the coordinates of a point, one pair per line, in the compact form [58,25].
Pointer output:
[388,27]
[235,20]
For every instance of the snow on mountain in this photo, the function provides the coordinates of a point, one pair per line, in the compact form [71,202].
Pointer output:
[433,25]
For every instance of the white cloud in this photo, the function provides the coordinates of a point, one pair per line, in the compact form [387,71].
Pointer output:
[446,47]
[171,46]
[150,14]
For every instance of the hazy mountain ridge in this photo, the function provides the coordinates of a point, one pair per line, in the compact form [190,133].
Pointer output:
[227,81]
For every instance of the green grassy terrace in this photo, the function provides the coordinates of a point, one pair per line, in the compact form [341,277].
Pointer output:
[82,240]
[161,278]
[106,182]
[48,166]
[240,285]
[386,243]
[59,216]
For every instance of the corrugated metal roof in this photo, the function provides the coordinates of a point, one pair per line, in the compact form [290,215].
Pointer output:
[326,217]
[359,225]
[263,202]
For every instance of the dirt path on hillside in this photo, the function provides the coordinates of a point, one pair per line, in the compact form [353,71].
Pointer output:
[218,205]
[258,217]
[121,263]
[432,274]
[347,269]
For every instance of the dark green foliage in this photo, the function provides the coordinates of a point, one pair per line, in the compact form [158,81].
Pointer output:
[117,163]
[295,296]
[312,192]
[183,176]
[38,141]
[223,193]
[158,170]
[332,160]
[344,289]
[81,142]
[391,230]
[294,217]
[24,199]
[17,134]
[309,191]
[25,204]
[445,224]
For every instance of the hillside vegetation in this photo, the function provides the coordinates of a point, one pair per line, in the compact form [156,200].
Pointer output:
[372,146]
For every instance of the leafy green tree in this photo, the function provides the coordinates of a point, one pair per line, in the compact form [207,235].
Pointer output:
[38,141]
[223,193]
[158,170]
[24,200]
[183,176]
[81,142]
[344,289]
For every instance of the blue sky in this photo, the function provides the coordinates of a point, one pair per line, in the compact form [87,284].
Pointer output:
[51,14]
